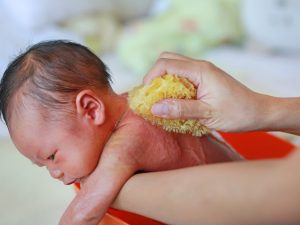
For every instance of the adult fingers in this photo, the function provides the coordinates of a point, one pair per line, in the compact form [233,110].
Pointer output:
[181,109]
[172,55]
[191,70]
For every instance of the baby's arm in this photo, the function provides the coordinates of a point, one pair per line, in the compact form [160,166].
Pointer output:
[101,187]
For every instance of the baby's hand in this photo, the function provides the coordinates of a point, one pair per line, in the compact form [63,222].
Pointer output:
[99,189]
[98,192]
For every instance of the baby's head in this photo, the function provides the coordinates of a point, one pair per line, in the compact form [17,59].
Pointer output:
[53,99]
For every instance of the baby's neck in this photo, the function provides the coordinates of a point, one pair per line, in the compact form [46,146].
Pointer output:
[116,107]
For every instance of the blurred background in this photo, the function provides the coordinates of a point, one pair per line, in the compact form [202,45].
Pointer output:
[255,41]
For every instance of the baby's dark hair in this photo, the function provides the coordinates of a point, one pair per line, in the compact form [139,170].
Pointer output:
[49,70]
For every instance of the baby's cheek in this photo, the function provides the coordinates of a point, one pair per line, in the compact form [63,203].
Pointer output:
[82,166]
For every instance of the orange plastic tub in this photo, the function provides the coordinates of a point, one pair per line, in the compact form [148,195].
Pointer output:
[254,145]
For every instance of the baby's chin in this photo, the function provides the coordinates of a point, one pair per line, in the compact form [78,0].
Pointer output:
[80,181]
[83,180]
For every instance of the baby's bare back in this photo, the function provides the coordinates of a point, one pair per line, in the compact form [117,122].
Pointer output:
[156,149]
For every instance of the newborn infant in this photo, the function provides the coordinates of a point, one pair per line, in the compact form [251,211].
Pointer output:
[62,113]
[137,146]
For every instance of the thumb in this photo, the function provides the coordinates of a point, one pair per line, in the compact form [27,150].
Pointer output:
[181,109]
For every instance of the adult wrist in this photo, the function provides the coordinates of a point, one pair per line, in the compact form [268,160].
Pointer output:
[278,114]
[265,113]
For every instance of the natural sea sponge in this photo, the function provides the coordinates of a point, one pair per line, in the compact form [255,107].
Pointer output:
[143,97]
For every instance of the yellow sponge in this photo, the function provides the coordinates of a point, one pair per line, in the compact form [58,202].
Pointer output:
[142,98]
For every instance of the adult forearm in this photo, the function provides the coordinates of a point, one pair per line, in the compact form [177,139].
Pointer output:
[278,114]
[264,192]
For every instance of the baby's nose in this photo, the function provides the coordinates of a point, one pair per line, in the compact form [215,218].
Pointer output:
[56,173]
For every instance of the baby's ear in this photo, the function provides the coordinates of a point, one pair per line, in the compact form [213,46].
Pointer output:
[90,107]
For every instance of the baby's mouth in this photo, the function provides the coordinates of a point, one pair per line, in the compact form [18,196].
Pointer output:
[69,182]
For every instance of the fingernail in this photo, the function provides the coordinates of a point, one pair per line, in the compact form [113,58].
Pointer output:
[160,109]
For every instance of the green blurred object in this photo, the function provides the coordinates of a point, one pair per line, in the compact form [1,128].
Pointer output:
[188,27]
[100,30]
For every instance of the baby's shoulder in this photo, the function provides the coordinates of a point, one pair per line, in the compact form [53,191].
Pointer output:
[137,124]
[130,119]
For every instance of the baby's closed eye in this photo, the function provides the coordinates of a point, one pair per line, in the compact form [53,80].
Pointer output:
[52,156]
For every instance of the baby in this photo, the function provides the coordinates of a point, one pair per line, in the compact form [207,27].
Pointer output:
[62,113]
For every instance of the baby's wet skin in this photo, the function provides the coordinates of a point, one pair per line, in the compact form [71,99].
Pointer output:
[155,149]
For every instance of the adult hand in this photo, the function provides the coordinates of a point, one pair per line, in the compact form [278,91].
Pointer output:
[222,102]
